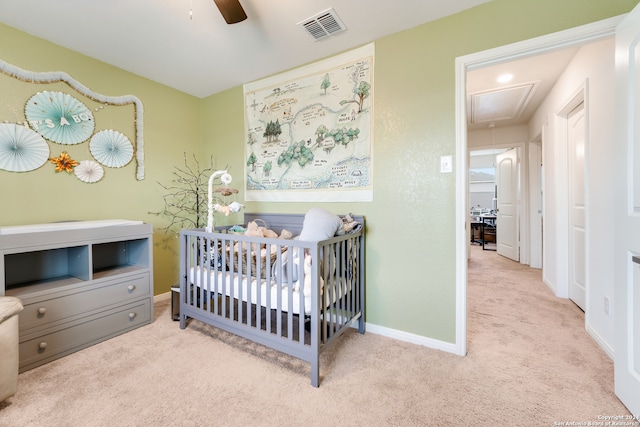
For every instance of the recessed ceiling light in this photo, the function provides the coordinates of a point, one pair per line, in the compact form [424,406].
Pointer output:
[505,78]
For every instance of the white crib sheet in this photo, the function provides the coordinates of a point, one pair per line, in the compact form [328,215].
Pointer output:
[226,281]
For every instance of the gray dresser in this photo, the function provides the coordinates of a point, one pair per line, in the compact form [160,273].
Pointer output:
[80,283]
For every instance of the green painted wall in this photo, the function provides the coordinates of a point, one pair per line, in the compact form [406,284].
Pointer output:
[410,240]
[171,126]
[410,223]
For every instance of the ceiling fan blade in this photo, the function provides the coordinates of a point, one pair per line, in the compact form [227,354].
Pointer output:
[231,10]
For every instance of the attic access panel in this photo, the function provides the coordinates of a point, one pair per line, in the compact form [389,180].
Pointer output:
[500,104]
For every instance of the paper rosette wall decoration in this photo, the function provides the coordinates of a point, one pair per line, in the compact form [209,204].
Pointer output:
[79,117]
[89,171]
[111,148]
[59,117]
[21,149]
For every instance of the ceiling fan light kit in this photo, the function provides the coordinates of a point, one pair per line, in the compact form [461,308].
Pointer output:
[231,11]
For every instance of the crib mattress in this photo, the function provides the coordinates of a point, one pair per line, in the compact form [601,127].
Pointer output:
[238,285]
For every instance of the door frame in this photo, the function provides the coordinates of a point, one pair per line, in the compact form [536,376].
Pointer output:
[534,251]
[572,37]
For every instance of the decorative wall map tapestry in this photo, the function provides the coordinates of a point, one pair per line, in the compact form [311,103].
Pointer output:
[309,132]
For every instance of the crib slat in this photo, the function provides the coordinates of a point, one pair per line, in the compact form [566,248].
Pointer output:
[205,260]
[289,289]
[351,278]
[343,285]
[327,256]
[201,261]
[297,258]
[227,267]
[335,262]
[278,313]
[248,306]
[215,252]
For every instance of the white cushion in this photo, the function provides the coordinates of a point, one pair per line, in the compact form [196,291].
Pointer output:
[320,224]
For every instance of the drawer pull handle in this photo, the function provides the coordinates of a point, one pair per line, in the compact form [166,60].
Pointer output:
[42,310]
[42,345]
[132,316]
[131,288]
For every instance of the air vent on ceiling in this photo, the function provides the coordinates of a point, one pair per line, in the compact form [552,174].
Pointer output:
[323,24]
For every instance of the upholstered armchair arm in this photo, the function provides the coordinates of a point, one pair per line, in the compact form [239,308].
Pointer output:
[9,306]
[9,361]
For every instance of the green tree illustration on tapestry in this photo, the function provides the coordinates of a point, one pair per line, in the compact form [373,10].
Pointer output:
[272,131]
[362,92]
[326,82]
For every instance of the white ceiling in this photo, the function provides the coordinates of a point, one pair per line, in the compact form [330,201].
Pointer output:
[539,71]
[187,45]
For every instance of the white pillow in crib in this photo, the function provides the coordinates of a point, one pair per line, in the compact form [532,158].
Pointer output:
[320,224]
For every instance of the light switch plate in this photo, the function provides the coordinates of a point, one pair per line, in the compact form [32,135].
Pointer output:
[446,164]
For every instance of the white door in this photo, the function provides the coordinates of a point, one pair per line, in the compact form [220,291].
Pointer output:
[577,236]
[507,203]
[626,220]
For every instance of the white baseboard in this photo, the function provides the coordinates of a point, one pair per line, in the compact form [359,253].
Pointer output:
[162,297]
[378,330]
[412,338]
[602,343]
[549,285]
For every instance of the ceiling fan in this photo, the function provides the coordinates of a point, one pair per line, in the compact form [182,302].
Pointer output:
[231,10]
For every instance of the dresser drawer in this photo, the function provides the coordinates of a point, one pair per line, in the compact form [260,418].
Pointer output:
[41,349]
[64,308]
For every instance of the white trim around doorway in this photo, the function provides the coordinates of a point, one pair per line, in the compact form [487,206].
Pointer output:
[539,45]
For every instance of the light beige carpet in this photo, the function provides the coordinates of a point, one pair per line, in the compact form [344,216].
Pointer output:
[530,363]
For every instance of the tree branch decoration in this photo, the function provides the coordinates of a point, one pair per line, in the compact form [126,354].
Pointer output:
[186,201]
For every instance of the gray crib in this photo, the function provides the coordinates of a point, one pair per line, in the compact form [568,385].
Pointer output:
[257,287]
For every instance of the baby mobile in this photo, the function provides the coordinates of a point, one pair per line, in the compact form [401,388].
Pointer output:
[62,119]
[225,191]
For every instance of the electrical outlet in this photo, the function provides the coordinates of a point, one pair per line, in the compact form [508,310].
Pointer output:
[606,306]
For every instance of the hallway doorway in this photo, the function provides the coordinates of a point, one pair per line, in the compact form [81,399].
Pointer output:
[572,38]
[494,197]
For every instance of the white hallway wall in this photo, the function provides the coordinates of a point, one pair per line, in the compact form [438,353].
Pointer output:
[594,64]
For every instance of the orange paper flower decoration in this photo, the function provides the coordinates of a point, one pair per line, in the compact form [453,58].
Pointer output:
[64,163]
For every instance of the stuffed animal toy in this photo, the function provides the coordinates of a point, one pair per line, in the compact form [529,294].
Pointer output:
[235,206]
[253,230]
[307,277]
[263,251]
[307,274]
[268,233]
[226,210]
[285,234]
[222,209]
